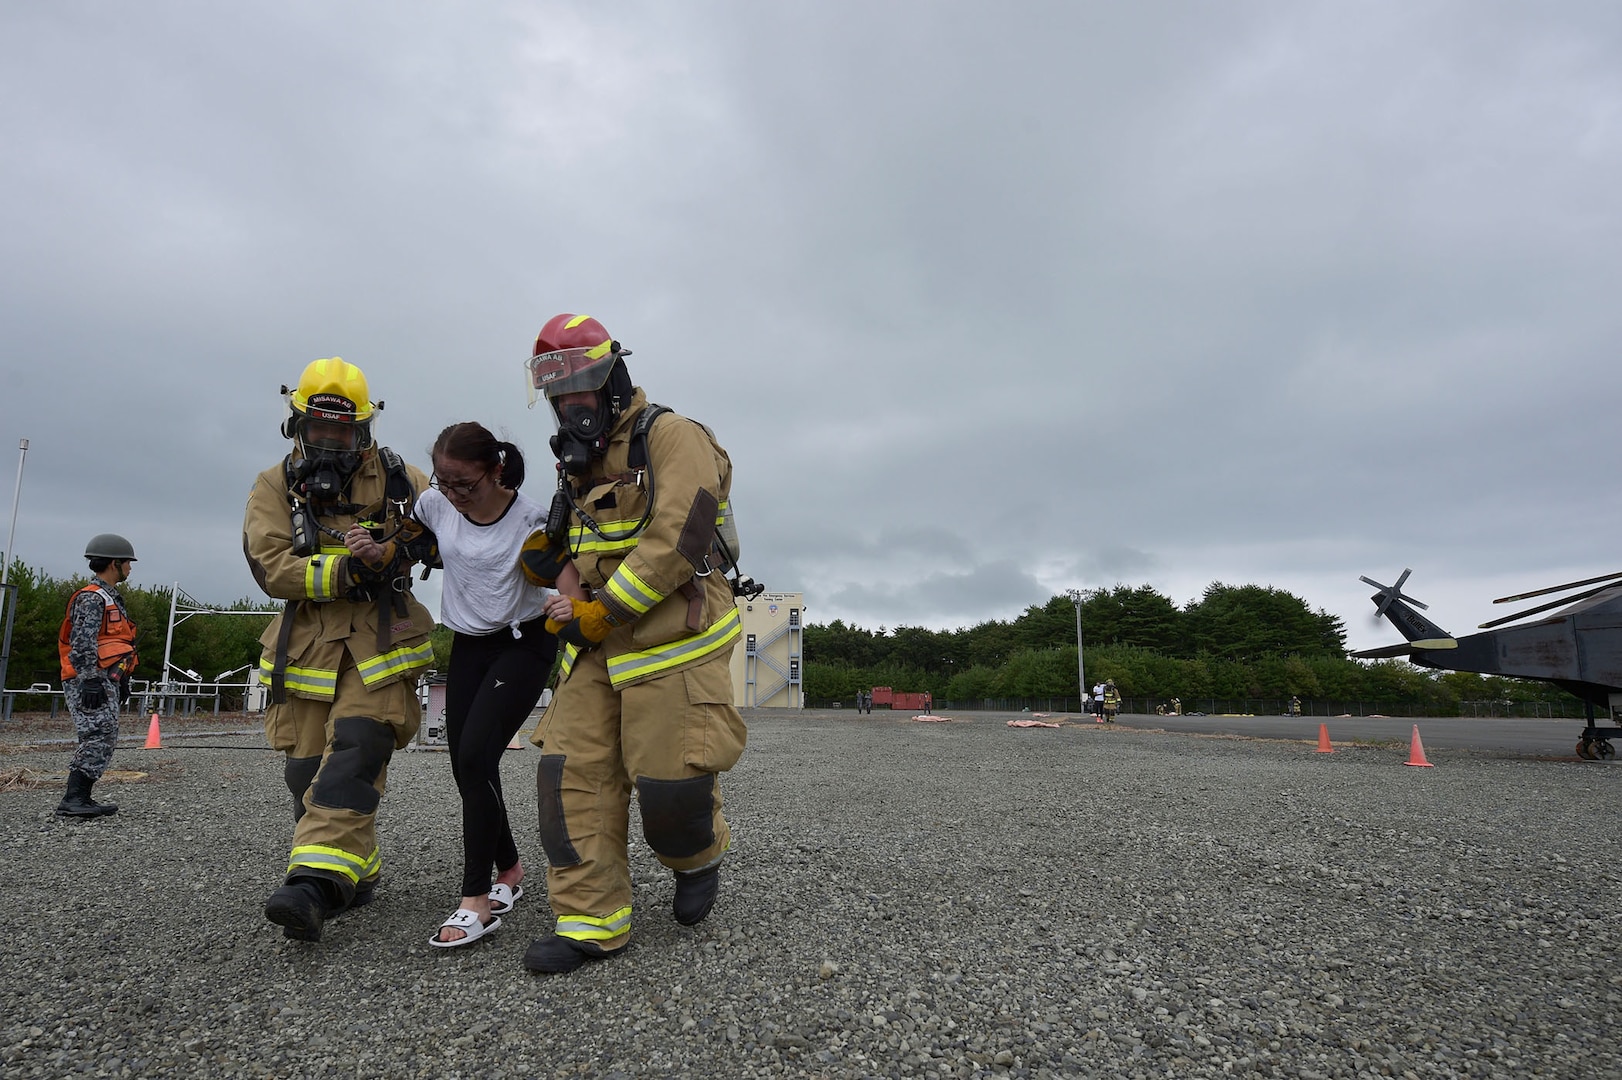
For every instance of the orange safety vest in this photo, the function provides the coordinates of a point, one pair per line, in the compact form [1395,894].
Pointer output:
[115,643]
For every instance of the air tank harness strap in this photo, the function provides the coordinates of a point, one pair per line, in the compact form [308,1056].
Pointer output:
[278,673]
[695,603]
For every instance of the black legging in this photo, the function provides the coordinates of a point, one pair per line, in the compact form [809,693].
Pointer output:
[494,682]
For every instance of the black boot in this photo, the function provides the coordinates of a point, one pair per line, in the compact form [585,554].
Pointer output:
[365,893]
[554,955]
[301,905]
[695,895]
[77,801]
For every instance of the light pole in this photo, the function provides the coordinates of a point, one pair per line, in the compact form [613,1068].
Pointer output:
[8,595]
[1076,598]
[16,493]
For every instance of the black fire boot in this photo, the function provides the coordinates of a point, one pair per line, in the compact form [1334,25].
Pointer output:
[77,801]
[554,955]
[365,893]
[695,894]
[301,905]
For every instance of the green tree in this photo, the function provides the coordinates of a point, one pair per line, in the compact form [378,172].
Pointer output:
[1250,621]
[1140,616]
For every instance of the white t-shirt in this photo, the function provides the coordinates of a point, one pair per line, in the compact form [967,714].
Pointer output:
[484,590]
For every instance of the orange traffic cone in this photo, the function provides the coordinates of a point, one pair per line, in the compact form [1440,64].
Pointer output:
[154,739]
[1323,740]
[1416,752]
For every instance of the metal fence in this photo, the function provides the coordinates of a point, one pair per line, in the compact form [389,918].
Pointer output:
[145,698]
[1562,709]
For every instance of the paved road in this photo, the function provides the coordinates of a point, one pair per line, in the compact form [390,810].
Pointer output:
[1534,737]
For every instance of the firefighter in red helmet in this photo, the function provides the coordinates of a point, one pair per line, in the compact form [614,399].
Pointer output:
[641,521]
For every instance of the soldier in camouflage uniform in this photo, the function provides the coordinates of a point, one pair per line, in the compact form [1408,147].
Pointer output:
[97,649]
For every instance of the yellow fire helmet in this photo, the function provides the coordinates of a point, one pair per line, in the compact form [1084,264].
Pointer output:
[332,391]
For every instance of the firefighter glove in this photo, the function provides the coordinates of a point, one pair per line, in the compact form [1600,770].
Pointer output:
[542,561]
[385,560]
[365,581]
[420,544]
[587,629]
[94,694]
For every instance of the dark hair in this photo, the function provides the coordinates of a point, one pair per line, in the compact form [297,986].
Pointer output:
[98,564]
[471,441]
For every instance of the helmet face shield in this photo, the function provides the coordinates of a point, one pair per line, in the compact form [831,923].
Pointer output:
[568,371]
[317,434]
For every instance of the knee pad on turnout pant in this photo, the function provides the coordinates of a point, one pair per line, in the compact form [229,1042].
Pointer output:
[559,849]
[347,780]
[678,816]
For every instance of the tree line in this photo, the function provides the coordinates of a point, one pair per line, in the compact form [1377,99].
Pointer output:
[1236,642]
[206,644]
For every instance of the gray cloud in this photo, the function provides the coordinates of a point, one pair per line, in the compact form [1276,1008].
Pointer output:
[985,304]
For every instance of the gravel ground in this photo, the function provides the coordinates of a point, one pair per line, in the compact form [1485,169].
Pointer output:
[904,899]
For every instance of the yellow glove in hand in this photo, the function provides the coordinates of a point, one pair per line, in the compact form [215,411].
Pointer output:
[541,560]
[588,627]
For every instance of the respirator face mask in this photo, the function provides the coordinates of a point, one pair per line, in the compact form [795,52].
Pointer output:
[582,431]
[329,454]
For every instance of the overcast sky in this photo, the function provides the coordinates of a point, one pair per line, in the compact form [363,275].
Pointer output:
[986,301]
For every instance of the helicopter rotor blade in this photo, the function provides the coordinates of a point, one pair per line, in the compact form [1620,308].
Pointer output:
[1393,592]
[1545,607]
[1557,588]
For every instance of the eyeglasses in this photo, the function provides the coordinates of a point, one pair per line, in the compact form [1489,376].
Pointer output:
[456,487]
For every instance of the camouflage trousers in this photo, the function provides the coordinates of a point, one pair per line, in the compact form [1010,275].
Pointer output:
[97,729]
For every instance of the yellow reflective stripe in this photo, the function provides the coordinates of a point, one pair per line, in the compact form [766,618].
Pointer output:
[722,511]
[583,541]
[570,651]
[374,863]
[633,665]
[375,669]
[589,928]
[320,857]
[321,576]
[319,682]
[632,592]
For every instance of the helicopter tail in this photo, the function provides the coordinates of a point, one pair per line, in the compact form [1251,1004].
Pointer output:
[1399,610]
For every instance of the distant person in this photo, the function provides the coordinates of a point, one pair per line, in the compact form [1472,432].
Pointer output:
[1098,703]
[343,658]
[501,653]
[97,651]
[1112,701]
[1295,706]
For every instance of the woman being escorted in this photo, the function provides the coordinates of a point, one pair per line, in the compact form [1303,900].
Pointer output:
[501,654]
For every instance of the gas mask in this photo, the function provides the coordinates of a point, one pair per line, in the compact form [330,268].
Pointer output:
[582,435]
[322,473]
[327,457]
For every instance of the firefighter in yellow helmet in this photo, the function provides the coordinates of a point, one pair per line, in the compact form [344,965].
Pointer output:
[342,660]
[640,522]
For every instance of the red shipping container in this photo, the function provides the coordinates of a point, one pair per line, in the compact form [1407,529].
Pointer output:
[882,695]
[908,701]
